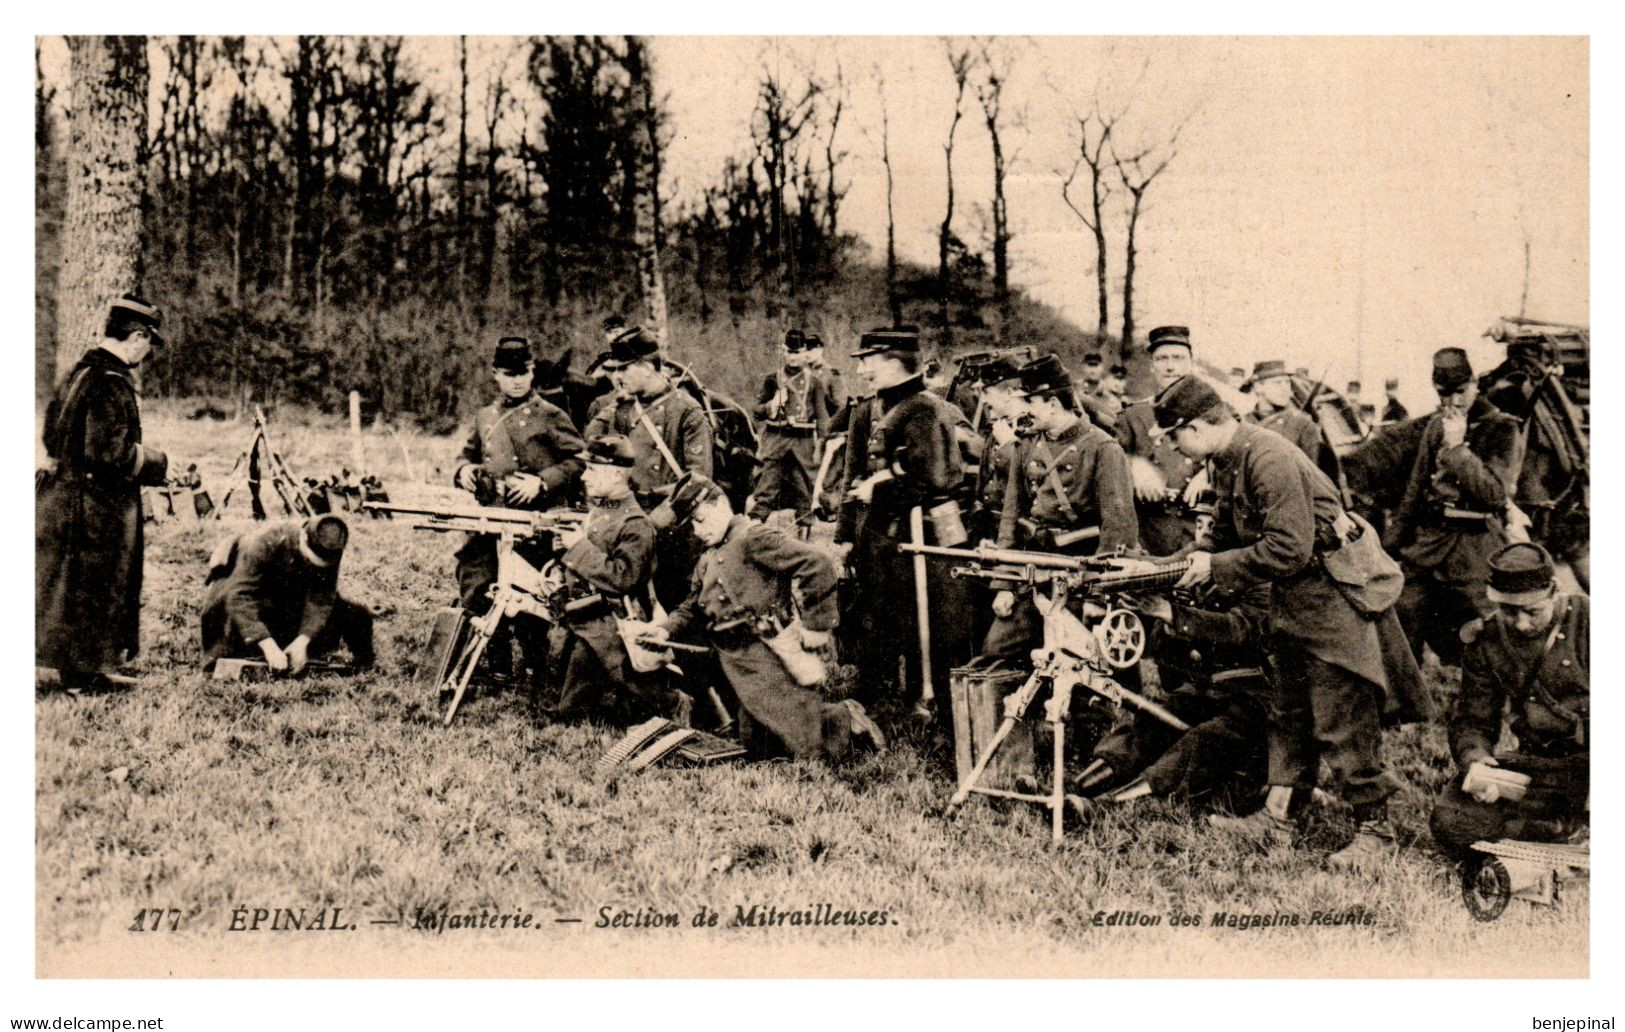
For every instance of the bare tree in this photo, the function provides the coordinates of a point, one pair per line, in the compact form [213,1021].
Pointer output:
[990,94]
[1094,137]
[462,166]
[648,246]
[101,245]
[892,299]
[959,63]
[836,97]
[1137,172]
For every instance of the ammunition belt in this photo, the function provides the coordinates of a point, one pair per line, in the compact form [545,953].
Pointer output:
[790,429]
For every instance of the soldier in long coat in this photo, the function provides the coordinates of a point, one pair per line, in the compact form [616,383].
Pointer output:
[274,593]
[795,412]
[742,597]
[1452,517]
[87,506]
[1329,660]
[1275,409]
[1161,473]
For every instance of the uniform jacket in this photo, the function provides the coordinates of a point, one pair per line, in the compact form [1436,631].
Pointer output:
[1394,411]
[993,473]
[1077,479]
[915,436]
[810,404]
[678,420]
[530,435]
[749,576]
[267,589]
[1134,428]
[1477,476]
[855,465]
[1552,717]
[87,518]
[1295,425]
[613,559]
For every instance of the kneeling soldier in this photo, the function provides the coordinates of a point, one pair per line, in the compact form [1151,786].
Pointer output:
[606,566]
[275,593]
[1530,659]
[741,594]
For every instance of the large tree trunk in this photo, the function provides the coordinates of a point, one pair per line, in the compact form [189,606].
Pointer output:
[1129,254]
[645,208]
[101,244]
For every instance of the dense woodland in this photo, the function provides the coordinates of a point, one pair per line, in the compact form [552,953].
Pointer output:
[314,218]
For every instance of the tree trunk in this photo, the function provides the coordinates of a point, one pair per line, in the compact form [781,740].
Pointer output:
[645,230]
[102,228]
[895,302]
[462,167]
[1102,281]
[1127,343]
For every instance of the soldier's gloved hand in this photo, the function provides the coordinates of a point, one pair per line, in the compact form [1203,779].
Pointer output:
[465,476]
[298,654]
[275,658]
[522,487]
[1004,603]
[1454,421]
[1200,573]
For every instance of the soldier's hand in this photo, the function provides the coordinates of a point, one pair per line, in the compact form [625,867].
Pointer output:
[1004,603]
[465,476]
[275,658]
[568,536]
[812,640]
[1480,789]
[1454,421]
[1157,607]
[297,654]
[1200,573]
[522,487]
[1148,483]
[864,490]
[1197,485]
[1003,432]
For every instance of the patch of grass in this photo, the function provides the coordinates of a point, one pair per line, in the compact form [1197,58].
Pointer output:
[347,792]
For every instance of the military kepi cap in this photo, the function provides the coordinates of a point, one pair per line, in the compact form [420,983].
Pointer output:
[903,340]
[1184,401]
[691,491]
[1043,376]
[1520,574]
[513,355]
[1269,369]
[1165,336]
[795,341]
[634,344]
[1093,359]
[609,450]
[129,309]
[326,537]
[1451,370]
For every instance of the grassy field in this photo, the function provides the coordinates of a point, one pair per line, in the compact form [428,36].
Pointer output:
[325,792]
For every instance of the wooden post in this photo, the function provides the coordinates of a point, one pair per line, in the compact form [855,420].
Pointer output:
[357,457]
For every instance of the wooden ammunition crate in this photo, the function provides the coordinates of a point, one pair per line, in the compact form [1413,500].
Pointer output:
[977,692]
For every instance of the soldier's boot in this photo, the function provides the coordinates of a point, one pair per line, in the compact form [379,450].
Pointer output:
[1275,823]
[1139,788]
[1373,843]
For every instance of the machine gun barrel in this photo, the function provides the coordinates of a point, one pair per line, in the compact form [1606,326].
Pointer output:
[480,519]
[987,555]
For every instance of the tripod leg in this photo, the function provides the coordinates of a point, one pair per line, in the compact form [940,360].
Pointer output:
[463,671]
[1057,800]
[975,776]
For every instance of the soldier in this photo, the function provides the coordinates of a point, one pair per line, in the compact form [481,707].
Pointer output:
[1393,410]
[606,567]
[1161,474]
[523,452]
[905,455]
[1237,378]
[1112,389]
[1007,421]
[1530,659]
[87,507]
[1275,410]
[795,411]
[1094,371]
[1328,658]
[669,435]
[1070,476]
[274,593]
[1451,517]
[741,598]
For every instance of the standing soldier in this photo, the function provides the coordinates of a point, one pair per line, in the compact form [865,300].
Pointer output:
[606,567]
[906,455]
[1070,477]
[1094,371]
[669,435]
[742,597]
[1110,395]
[796,410]
[1529,662]
[1451,518]
[1161,474]
[1331,669]
[87,506]
[1275,409]
[1393,410]
[523,452]
[1008,420]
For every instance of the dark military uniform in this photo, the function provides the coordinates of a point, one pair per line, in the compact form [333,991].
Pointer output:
[265,586]
[1330,663]
[606,575]
[741,592]
[1164,529]
[87,519]
[791,435]
[1295,425]
[1394,411]
[1449,523]
[1542,685]
[1216,655]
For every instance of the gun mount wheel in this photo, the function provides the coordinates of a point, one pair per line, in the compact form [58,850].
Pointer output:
[1122,638]
[1486,887]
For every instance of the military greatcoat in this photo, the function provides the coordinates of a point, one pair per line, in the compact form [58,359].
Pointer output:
[1163,529]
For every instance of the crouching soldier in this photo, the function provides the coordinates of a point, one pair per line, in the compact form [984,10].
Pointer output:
[274,593]
[605,568]
[741,598]
[1530,659]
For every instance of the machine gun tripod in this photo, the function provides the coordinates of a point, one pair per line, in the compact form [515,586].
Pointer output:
[1073,655]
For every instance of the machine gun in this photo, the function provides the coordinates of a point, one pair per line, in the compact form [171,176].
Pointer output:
[519,587]
[1074,655]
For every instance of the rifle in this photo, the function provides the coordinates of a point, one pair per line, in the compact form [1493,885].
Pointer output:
[483,519]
